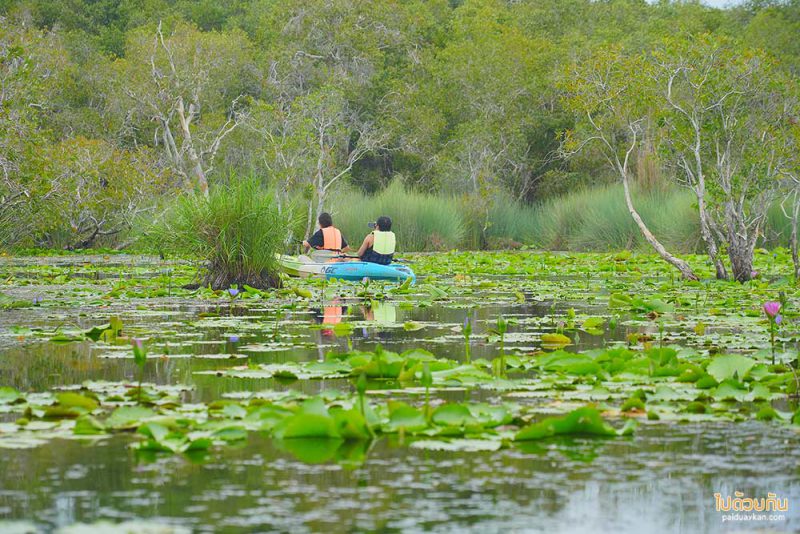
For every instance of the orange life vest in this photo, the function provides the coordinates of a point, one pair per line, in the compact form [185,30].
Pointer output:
[331,239]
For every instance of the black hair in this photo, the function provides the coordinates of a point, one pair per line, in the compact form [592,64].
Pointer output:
[325,219]
[384,224]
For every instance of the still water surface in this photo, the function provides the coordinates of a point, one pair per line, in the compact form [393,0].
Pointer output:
[662,479]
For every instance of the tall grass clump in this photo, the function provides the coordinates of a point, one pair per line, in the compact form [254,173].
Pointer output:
[777,227]
[597,219]
[511,223]
[421,222]
[237,230]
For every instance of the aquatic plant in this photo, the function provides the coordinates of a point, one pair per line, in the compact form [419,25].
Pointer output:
[583,421]
[237,231]
[500,330]
[361,389]
[427,381]
[772,310]
[467,333]
[140,359]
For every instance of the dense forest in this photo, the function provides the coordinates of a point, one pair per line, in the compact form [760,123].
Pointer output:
[111,108]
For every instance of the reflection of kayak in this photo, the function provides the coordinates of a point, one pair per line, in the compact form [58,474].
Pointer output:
[304,266]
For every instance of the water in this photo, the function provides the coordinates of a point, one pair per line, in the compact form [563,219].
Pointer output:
[662,479]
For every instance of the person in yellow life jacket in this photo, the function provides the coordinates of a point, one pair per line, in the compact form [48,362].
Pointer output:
[328,237]
[379,245]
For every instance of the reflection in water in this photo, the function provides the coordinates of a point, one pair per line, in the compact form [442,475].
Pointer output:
[330,315]
[384,313]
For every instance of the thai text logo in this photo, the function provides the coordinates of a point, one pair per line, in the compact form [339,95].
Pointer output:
[740,503]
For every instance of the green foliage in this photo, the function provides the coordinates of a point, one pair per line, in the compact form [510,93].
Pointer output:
[511,224]
[237,230]
[459,98]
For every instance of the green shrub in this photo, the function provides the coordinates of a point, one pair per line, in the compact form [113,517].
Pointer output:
[237,230]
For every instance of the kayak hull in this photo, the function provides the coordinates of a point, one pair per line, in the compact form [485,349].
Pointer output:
[294,267]
[358,270]
[345,270]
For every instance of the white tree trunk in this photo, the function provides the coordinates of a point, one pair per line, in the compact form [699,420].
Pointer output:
[708,236]
[196,165]
[682,266]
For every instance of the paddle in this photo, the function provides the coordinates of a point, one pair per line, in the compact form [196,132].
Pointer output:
[398,260]
[300,242]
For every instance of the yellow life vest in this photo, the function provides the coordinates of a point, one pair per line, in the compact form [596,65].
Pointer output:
[384,242]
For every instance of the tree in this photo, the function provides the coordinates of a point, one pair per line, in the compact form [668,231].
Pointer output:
[283,148]
[188,84]
[611,104]
[28,66]
[790,187]
[100,191]
[725,116]
[339,137]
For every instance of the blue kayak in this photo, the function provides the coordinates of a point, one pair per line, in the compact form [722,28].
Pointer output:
[358,270]
[345,270]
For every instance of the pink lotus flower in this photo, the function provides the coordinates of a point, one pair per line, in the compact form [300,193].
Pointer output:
[772,308]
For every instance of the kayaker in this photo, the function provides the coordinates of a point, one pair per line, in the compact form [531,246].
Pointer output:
[379,245]
[328,237]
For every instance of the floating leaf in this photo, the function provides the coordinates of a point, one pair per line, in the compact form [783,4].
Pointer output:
[307,426]
[555,340]
[126,417]
[302,292]
[586,420]
[463,445]
[9,395]
[75,400]
[404,417]
[453,415]
[724,367]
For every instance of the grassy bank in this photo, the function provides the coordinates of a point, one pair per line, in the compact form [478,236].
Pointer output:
[425,222]
[597,219]
[593,219]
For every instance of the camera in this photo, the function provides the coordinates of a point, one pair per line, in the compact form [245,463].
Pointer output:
[372,225]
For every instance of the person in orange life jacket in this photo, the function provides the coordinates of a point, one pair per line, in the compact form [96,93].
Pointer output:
[379,245]
[327,237]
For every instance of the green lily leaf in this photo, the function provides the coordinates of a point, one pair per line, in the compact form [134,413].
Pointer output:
[725,367]
[403,416]
[453,415]
[586,420]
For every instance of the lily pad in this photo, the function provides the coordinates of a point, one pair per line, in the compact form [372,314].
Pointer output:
[730,366]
